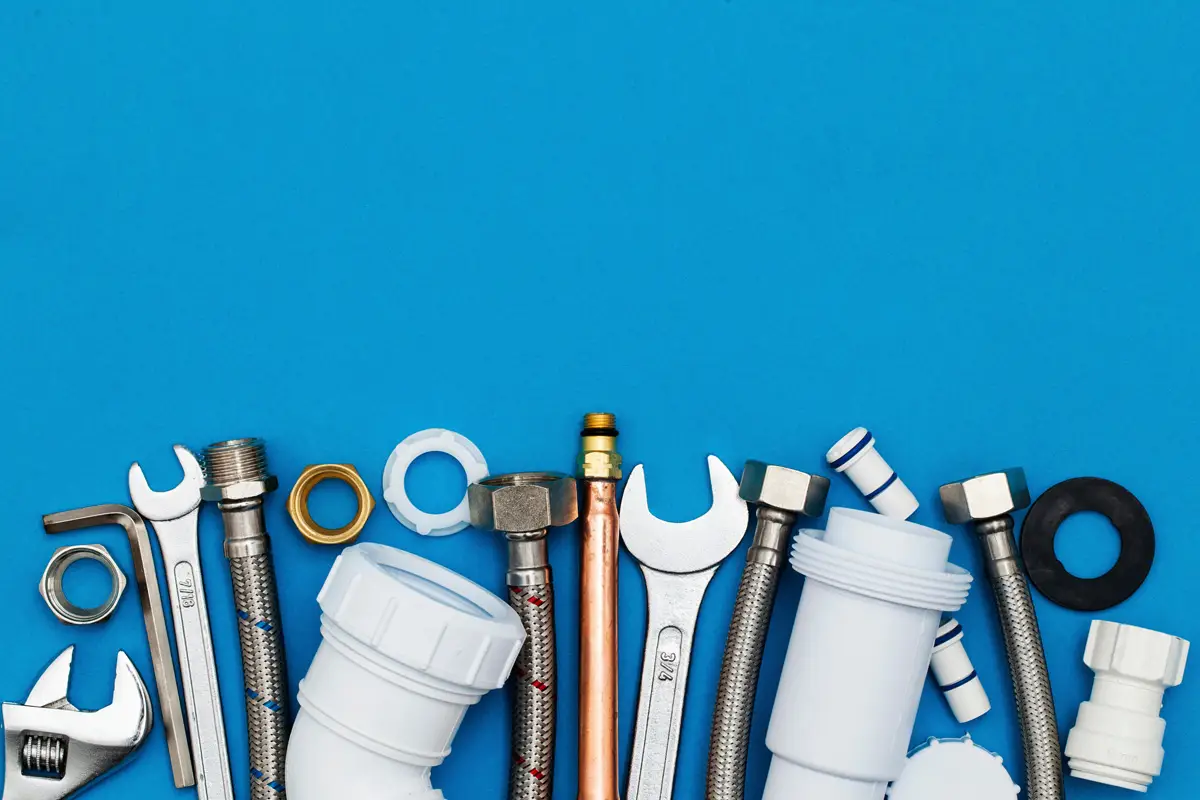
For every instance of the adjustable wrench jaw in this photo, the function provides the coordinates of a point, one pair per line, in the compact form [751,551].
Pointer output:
[174,503]
[78,748]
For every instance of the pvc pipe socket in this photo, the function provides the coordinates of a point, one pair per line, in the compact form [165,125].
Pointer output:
[955,675]
[860,648]
[1118,735]
[856,456]
[406,648]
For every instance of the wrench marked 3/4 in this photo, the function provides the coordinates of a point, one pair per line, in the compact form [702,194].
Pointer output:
[665,690]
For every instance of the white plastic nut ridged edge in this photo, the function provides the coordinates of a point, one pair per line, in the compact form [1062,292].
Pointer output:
[953,769]
[406,621]
[1118,734]
[431,440]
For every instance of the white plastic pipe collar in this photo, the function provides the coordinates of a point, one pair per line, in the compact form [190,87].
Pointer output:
[955,675]
[859,652]
[1118,735]
[407,647]
[855,455]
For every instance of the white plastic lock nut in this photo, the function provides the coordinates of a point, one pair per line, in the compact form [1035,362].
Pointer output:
[407,647]
[855,454]
[1118,735]
[872,604]
[955,675]
[432,440]
[953,769]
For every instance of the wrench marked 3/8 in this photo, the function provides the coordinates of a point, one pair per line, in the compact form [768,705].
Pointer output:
[678,561]
[175,515]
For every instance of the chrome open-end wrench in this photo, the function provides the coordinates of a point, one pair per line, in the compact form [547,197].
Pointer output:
[678,559]
[175,515]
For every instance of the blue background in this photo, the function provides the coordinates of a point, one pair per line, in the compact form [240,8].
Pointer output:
[744,227]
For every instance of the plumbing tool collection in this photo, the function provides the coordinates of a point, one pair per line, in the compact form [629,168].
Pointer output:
[407,646]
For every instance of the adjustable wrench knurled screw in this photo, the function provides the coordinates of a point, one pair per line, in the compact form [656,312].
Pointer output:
[678,560]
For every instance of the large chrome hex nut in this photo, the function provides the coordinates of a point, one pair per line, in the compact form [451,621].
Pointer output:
[783,488]
[523,502]
[987,496]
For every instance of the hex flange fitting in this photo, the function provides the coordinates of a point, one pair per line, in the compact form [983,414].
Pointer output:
[297,505]
[1117,738]
[52,591]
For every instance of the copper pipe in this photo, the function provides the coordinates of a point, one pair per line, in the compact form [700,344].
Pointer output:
[599,469]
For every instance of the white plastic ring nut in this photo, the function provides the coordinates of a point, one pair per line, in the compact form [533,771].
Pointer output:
[855,454]
[953,769]
[1118,735]
[955,674]
[433,440]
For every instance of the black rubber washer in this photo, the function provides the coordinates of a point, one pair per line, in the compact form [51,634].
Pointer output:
[1127,515]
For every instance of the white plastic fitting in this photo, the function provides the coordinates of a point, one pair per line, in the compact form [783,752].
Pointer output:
[407,647]
[955,675]
[858,655]
[431,440]
[855,454]
[1118,735]
[954,769]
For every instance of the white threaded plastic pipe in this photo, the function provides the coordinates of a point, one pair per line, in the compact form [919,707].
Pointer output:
[872,603]
[407,647]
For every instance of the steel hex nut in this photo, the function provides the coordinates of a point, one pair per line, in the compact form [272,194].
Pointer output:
[523,502]
[783,488]
[987,496]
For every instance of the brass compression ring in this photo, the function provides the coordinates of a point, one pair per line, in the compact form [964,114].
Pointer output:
[298,503]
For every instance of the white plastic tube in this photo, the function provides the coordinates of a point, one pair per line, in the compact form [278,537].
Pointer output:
[407,647]
[955,675]
[855,455]
[847,701]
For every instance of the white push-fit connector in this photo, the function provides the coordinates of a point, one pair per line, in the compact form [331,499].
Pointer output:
[855,455]
[872,603]
[1118,735]
[431,440]
[955,675]
[407,647]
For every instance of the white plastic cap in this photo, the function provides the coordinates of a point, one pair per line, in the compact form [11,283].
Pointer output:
[953,769]
[432,440]
[855,455]
[955,675]
[1118,735]
[423,615]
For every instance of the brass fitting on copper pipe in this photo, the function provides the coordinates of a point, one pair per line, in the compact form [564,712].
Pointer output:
[599,471]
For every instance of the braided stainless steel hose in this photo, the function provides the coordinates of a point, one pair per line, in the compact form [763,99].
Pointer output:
[524,506]
[781,495]
[237,478]
[986,502]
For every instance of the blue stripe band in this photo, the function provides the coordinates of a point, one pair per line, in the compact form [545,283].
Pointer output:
[961,683]
[883,488]
[858,448]
[948,635]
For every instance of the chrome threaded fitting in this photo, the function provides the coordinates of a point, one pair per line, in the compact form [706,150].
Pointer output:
[236,470]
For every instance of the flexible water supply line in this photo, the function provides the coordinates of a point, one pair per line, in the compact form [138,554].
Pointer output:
[236,478]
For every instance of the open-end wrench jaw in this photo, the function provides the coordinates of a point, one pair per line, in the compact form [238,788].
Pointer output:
[53,750]
[171,504]
[683,547]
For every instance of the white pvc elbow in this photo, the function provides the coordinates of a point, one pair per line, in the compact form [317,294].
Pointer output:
[1118,735]
[872,603]
[407,647]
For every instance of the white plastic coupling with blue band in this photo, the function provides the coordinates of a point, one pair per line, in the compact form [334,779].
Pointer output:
[855,455]
[955,675]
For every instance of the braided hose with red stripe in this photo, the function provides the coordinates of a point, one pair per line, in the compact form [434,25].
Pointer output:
[535,682]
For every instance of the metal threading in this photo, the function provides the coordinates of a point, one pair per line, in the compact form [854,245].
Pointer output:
[235,460]
[599,421]
[520,479]
[44,756]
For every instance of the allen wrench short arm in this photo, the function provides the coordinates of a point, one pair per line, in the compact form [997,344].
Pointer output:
[153,615]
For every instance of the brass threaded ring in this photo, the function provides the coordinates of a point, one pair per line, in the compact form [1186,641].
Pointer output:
[298,503]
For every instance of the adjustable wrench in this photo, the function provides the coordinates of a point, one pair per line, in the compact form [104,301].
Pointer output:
[678,559]
[175,515]
[52,750]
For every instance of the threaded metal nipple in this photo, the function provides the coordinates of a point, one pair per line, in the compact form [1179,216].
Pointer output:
[599,421]
[235,460]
